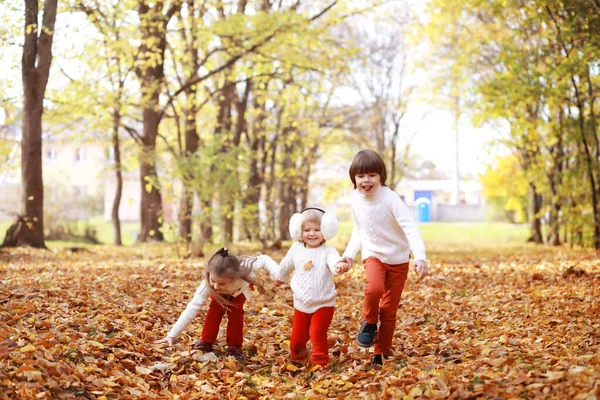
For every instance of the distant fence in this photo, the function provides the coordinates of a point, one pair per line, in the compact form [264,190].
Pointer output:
[452,213]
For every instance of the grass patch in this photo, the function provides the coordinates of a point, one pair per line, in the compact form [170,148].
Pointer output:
[455,233]
[104,230]
[481,232]
[434,234]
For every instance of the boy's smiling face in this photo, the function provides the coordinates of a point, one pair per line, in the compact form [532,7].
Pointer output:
[367,184]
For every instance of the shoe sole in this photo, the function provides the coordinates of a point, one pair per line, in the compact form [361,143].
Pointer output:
[368,345]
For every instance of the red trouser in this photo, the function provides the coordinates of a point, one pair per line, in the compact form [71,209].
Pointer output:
[314,327]
[385,283]
[235,321]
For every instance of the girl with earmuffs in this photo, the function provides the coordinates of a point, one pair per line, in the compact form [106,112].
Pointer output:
[314,264]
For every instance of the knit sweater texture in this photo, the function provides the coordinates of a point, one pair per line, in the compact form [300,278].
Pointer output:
[384,228]
[202,293]
[312,283]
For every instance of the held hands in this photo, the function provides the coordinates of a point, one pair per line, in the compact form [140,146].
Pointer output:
[343,265]
[167,339]
[420,267]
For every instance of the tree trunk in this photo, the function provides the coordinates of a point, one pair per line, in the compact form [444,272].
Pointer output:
[151,209]
[554,237]
[535,224]
[35,68]
[192,142]
[287,200]
[116,220]
[150,72]
[223,128]
[555,179]
[255,177]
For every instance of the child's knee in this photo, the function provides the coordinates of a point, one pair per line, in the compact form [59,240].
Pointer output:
[374,291]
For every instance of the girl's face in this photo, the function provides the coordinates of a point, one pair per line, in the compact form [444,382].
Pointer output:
[367,184]
[219,283]
[311,235]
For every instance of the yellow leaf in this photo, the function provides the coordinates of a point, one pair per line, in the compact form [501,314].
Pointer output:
[554,375]
[142,370]
[27,348]
[291,367]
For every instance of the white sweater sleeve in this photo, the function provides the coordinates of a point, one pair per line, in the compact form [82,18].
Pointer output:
[191,310]
[410,228]
[266,262]
[286,266]
[332,257]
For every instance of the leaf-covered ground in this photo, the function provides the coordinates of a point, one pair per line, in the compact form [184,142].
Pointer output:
[492,323]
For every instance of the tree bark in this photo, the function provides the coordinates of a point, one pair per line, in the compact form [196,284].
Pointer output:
[223,129]
[555,179]
[116,220]
[287,200]
[256,174]
[150,72]
[35,69]
[192,143]
[535,223]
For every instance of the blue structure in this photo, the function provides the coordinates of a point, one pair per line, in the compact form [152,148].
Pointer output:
[423,205]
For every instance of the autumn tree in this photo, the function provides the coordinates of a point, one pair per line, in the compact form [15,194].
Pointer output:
[533,69]
[35,68]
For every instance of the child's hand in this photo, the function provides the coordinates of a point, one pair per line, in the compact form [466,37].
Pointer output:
[342,267]
[420,267]
[348,261]
[167,339]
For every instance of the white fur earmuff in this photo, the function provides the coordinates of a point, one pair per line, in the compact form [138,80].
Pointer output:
[296,226]
[329,226]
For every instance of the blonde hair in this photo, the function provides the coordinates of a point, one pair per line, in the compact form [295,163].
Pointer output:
[311,215]
[225,264]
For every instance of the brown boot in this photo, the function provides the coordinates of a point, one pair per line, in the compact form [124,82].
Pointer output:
[236,352]
[202,345]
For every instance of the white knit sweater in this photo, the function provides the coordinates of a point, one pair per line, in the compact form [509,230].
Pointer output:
[384,228]
[312,283]
[235,288]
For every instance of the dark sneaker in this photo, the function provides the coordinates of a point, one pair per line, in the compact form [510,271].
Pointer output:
[202,345]
[377,360]
[236,352]
[367,334]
